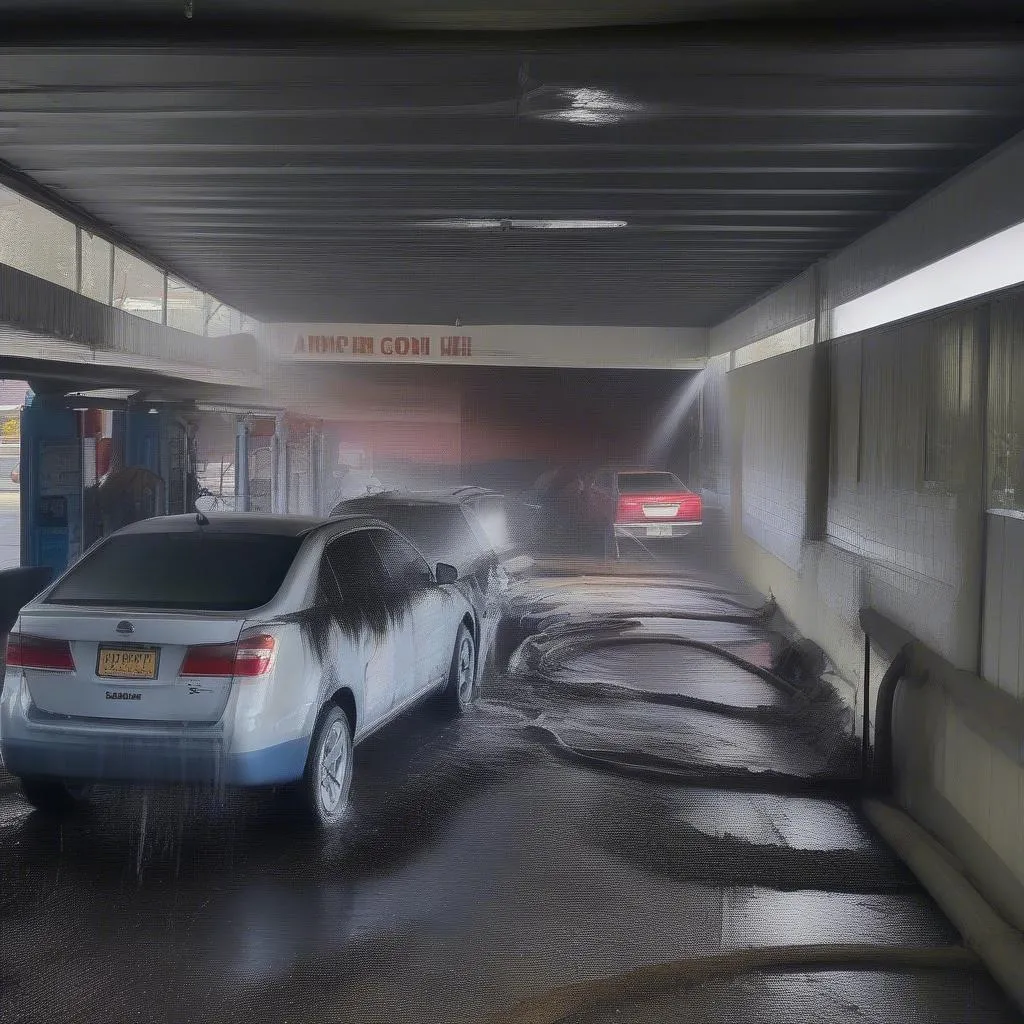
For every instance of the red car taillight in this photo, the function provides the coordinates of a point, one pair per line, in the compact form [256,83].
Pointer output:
[251,657]
[631,507]
[39,653]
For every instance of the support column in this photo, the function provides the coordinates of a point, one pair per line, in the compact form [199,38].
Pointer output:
[279,467]
[819,420]
[242,465]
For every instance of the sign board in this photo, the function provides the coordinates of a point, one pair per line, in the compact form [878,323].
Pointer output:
[60,470]
[680,348]
[58,506]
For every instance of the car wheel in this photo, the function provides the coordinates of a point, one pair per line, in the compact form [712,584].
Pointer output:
[323,791]
[461,689]
[50,795]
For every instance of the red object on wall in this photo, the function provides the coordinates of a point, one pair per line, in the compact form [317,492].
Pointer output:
[104,449]
[92,423]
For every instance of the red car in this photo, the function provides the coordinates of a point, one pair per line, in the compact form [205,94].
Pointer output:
[640,504]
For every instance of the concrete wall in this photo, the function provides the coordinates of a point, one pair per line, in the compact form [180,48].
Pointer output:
[905,480]
[774,401]
[922,435]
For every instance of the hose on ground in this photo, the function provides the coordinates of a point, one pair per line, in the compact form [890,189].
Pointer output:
[750,616]
[569,1001]
[580,644]
[654,768]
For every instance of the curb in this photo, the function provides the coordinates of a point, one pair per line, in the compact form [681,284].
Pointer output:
[997,943]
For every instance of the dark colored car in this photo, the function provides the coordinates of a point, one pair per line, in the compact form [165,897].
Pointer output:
[464,527]
[640,505]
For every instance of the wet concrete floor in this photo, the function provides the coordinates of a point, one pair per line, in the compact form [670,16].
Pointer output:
[481,865]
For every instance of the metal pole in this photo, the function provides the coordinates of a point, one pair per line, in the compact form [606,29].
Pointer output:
[275,468]
[865,735]
[242,466]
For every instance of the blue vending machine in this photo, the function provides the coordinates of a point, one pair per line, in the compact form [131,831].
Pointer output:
[51,484]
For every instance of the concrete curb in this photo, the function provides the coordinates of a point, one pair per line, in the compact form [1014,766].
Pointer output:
[998,943]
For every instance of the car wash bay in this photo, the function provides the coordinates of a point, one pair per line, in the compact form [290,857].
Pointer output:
[658,776]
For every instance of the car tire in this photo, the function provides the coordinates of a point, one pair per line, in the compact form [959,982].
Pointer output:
[460,692]
[49,796]
[322,794]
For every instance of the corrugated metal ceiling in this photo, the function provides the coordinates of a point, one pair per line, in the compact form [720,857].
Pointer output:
[320,182]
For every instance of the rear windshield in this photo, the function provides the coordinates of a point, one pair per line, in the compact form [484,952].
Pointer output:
[489,518]
[200,571]
[649,483]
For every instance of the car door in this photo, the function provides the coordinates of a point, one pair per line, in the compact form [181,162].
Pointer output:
[433,613]
[363,609]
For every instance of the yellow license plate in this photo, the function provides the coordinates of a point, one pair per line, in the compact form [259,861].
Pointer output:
[115,663]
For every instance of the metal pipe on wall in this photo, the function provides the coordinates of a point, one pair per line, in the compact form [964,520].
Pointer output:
[242,465]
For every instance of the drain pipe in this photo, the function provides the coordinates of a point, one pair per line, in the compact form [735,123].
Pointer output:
[865,725]
[997,942]
[882,763]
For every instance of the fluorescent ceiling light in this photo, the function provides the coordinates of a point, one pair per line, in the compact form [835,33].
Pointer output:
[589,106]
[522,224]
[105,394]
[994,263]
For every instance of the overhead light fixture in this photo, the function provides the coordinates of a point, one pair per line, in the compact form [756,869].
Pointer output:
[522,224]
[586,105]
[106,395]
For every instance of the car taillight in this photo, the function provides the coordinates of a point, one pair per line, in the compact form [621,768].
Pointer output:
[39,653]
[252,656]
[631,506]
[690,507]
[255,656]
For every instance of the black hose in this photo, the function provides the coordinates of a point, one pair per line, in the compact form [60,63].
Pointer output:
[581,644]
[654,768]
[882,763]
[572,1001]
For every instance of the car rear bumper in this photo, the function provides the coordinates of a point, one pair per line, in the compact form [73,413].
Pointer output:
[639,531]
[34,744]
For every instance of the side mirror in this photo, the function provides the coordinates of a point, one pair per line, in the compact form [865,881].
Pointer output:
[445,574]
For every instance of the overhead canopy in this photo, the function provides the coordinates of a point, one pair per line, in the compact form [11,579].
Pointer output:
[661,179]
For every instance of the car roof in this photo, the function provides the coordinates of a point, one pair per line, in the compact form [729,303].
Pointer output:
[237,522]
[455,496]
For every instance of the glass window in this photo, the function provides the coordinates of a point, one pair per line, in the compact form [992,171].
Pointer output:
[201,571]
[490,516]
[186,307]
[96,267]
[406,565]
[441,532]
[356,563]
[138,287]
[35,240]
[221,319]
[641,483]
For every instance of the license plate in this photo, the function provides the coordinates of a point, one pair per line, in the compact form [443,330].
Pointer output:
[659,531]
[119,663]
